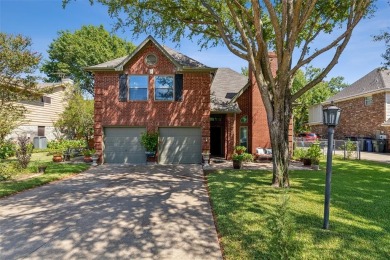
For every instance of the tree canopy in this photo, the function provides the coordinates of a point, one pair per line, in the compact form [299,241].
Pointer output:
[17,81]
[250,29]
[77,119]
[321,92]
[385,36]
[72,51]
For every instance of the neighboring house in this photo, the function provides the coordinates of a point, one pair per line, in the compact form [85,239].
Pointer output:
[41,114]
[365,108]
[194,108]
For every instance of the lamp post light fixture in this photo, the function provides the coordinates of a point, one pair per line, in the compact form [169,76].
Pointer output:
[331,117]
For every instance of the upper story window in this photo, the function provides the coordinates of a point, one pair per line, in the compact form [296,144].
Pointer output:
[368,101]
[138,87]
[45,99]
[163,88]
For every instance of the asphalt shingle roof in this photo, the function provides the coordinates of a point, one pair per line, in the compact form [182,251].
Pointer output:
[178,58]
[226,84]
[376,80]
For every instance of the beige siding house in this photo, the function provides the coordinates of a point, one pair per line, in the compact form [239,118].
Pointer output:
[42,114]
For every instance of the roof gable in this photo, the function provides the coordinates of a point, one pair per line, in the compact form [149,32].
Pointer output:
[376,80]
[181,61]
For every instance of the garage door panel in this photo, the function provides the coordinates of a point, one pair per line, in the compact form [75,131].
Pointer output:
[180,145]
[122,145]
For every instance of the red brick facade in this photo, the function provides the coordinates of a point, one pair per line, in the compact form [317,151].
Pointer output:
[192,111]
[359,120]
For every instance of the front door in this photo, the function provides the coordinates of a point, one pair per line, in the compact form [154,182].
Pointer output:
[217,135]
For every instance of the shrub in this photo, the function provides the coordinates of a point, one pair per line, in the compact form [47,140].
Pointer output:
[65,144]
[300,153]
[245,157]
[149,141]
[283,243]
[23,151]
[7,149]
[314,153]
[350,148]
[7,170]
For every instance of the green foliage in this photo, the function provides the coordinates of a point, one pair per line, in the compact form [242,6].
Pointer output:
[17,65]
[245,157]
[72,51]
[385,36]
[321,92]
[89,152]
[7,149]
[243,201]
[149,141]
[350,148]
[54,171]
[24,151]
[314,153]
[64,144]
[77,119]
[8,170]
[240,149]
[283,243]
[300,153]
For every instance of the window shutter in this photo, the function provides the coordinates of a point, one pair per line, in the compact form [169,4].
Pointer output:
[178,87]
[122,87]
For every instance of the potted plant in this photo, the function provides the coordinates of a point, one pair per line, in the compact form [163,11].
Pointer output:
[239,158]
[57,156]
[315,154]
[240,149]
[150,141]
[41,166]
[88,155]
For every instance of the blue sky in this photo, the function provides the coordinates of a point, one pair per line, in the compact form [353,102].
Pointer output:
[42,19]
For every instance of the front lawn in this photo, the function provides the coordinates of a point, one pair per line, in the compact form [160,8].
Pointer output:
[28,178]
[243,202]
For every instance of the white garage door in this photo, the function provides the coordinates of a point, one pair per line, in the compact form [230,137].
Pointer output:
[122,145]
[180,145]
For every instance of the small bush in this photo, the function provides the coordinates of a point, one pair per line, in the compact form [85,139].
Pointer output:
[149,141]
[283,243]
[65,144]
[24,151]
[299,154]
[350,148]
[7,170]
[314,153]
[7,149]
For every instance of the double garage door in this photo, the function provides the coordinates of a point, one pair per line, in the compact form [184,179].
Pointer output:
[178,145]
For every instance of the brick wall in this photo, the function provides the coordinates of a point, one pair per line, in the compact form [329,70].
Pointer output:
[193,111]
[358,120]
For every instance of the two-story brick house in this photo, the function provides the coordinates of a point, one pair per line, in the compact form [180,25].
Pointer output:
[365,108]
[194,108]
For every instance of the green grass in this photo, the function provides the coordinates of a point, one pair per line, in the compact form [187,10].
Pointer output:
[359,211]
[24,179]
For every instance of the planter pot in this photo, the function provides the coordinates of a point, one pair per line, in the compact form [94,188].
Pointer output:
[315,167]
[94,160]
[42,169]
[57,158]
[151,159]
[306,161]
[87,159]
[206,159]
[150,154]
[237,164]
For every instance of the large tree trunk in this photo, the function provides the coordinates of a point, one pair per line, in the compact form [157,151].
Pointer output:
[278,123]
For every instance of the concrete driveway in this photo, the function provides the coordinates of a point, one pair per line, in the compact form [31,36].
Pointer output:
[123,212]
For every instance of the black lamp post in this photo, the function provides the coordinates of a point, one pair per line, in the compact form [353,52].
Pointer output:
[331,117]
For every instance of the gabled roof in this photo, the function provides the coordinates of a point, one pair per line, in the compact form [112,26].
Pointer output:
[181,61]
[375,81]
[225,86]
